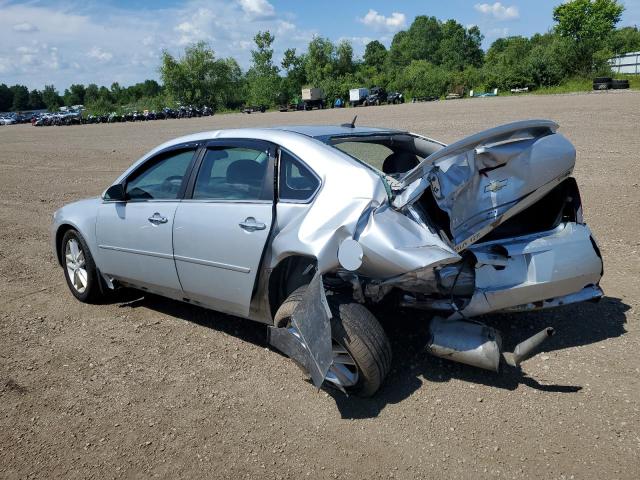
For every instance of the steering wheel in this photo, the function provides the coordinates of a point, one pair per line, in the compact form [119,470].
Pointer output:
[171,184]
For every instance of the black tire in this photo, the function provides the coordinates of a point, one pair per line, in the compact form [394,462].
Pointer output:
[601,86]
[620,84]
[358,331]
[91,293]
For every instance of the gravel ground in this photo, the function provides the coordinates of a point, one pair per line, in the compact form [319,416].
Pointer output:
[149,387]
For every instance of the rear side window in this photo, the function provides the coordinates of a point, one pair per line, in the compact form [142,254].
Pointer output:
[296,182]
[232,173]
[161,177]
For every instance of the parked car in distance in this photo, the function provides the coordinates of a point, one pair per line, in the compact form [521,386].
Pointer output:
[377,96]
[253,109]
[304,228]
[8,120]
[395,97]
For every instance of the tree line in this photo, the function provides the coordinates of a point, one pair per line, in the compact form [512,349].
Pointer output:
[430,58]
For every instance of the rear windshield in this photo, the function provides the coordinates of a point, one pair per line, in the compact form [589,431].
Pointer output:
[372,154]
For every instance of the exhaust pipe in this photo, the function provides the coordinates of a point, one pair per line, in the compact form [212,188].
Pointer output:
[466,342]
[528,348]
[479,345]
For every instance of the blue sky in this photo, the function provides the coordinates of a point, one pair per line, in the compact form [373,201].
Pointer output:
[70,41]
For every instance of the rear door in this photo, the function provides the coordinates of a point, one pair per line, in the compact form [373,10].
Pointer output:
[485,179]
[221,228]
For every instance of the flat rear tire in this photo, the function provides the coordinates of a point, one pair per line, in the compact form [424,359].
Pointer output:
[362,352]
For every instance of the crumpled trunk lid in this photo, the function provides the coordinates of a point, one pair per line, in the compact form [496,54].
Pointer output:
[485,179]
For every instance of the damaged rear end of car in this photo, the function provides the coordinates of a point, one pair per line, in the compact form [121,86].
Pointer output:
[492,223]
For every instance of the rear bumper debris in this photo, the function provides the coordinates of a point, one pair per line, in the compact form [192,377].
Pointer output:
[479,345]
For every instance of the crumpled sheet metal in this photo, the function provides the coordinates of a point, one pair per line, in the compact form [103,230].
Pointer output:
[486,178]
[317,230]
[308,340]
[553,266]
[502,133]
[478,187]
[395,244]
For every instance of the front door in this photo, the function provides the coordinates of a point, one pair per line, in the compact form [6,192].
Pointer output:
[220,232]
[134,237]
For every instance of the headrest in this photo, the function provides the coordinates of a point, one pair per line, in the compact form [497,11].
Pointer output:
[399,162]
[244,171]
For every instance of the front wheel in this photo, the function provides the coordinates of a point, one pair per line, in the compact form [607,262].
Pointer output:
[361,349]
[79,267]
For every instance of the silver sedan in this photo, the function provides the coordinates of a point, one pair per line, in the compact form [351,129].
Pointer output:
[304,228]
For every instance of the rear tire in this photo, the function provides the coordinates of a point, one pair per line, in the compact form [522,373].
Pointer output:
[354,328]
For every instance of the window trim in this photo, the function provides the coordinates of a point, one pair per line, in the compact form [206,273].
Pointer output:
[149,162]
[296,158]
[250,143]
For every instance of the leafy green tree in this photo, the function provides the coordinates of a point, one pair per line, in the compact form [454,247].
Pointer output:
[150,88]
[51,98]
[420,42]
[624,40]
[344,58]
[6,98]
[397,56]
[320,60]
[375,55]
[589,23]
[20,98]
[104,94]
[451,52]
[472,45]
[74,95]
[236,94]
[116,93]
[91,93]
[550,59]
[35,100]
[421,78]
[197,78]
[295,78]
[262,77]
[506,63]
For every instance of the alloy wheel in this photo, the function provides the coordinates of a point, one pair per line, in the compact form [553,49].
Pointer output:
[76,265]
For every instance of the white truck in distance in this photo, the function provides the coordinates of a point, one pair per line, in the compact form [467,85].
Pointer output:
[357,96]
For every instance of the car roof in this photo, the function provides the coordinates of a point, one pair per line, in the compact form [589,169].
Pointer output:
[322,132]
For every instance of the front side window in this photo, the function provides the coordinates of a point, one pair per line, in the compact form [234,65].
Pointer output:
[296,181]
[233,173]
[162,179]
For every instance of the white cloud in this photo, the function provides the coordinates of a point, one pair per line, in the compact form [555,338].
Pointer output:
[498,10]
[25,27]
[393,22]
[103,44]
[257,8]
[25,49]
[99,54]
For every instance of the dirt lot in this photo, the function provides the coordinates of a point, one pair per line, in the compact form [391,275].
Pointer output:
[149,387]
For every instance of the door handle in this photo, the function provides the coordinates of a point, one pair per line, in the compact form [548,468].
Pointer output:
[250,225]
[157,219]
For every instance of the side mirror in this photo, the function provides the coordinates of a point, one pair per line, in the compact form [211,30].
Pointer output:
[115,193]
